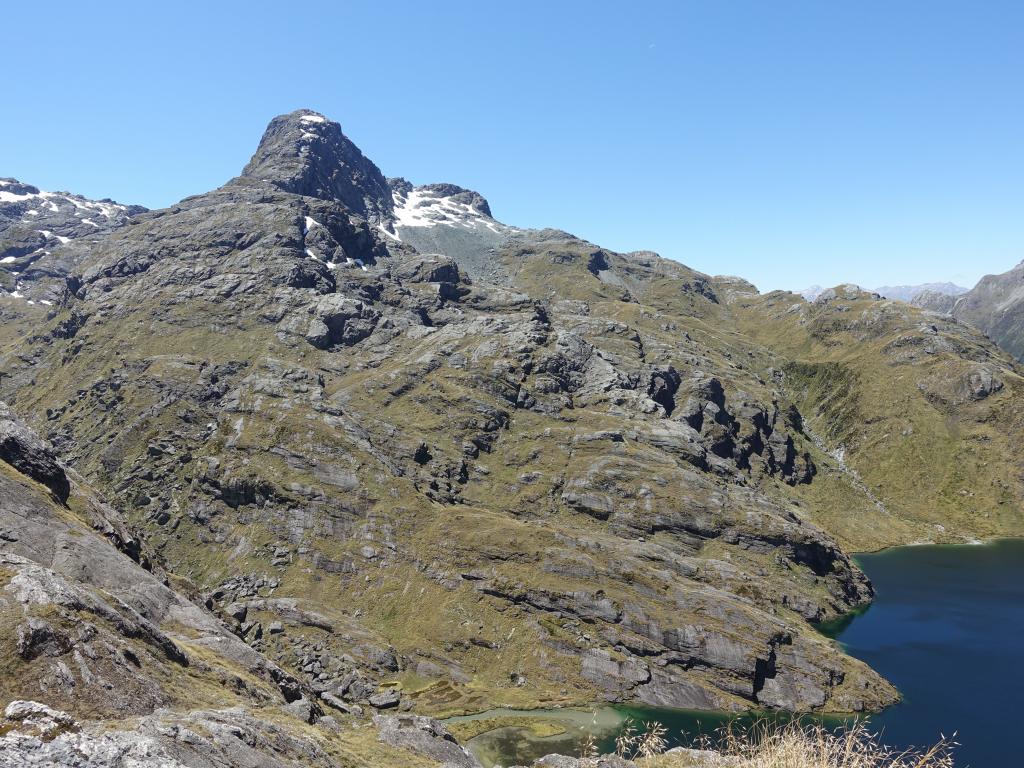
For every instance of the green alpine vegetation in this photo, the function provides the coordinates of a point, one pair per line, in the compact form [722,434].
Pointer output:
[341,455]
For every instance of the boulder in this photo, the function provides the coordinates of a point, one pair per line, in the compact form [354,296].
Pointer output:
[424,736]
[24,450]
[385,699]
[31,717]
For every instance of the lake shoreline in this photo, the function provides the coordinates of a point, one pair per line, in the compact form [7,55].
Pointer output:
[966,543]
[925,607]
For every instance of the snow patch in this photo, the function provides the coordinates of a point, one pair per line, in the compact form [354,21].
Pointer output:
[422,208]
[417,210]
[107,210]
[7,260]
[11,197]
[310,223]
[313,119]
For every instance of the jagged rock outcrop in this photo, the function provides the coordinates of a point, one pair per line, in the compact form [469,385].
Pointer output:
[35,223]
[33,734]
[376,435]
[87,617]
[424,736]
[27,453]
[450,220]
[306,154]
[291,252]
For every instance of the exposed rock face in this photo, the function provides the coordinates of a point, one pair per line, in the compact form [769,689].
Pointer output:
[23,450]
[685,758]
[564,761]
[996,307]
[450,220]
[512,462]
[36,735]
[87,618]
[55,217]
[33,734]
[426,737]
[34,223]
[306,154]
[306,272]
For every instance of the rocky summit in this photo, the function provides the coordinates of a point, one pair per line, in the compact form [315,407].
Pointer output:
[294,466]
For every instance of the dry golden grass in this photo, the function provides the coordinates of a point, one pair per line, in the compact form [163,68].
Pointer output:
[807,746]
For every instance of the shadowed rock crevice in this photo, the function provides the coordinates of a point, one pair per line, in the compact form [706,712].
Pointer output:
[27,453]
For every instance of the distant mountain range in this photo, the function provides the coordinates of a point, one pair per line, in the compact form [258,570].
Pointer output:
[905,293]
[909,292]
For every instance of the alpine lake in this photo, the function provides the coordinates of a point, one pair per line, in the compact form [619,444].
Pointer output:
[946,627]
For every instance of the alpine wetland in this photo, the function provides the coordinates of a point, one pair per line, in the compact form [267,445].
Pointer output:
[307,463]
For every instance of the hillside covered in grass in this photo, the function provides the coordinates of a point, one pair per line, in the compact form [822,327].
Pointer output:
[409,458]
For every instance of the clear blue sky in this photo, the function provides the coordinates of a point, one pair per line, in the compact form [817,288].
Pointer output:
[788,142]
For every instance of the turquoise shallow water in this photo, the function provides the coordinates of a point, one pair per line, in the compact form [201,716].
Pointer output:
[947,628]
[517,746]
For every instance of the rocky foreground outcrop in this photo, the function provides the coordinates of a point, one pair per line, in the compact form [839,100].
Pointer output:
[90,625]
[32,734]
[155,679]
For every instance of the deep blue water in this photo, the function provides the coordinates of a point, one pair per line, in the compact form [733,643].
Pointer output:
[947,627]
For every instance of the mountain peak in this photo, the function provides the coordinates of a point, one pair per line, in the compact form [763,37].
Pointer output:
[306,153]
